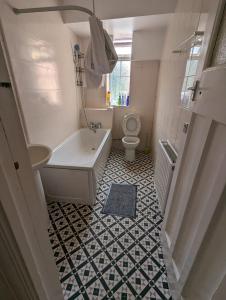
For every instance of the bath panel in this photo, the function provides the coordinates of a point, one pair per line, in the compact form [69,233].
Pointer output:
[76,168]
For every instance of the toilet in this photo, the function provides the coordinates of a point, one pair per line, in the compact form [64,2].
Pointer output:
[131,127]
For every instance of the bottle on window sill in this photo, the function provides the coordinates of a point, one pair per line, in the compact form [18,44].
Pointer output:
[127,101]
[119,100]
[123,102]
[108,98]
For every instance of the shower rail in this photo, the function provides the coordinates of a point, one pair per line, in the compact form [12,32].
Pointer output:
[51,8]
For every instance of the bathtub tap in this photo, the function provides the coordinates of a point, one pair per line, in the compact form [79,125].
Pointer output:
[94,126]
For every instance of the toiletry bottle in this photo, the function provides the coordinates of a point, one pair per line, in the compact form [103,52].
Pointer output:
[108,98]
[127,101]
[119,99]
[123,99]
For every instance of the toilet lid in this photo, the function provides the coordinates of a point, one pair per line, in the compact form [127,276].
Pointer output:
[131,124]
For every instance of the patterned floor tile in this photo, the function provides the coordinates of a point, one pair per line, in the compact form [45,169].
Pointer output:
[71,244]
[125,264]
[96,290]
[64,268]
[54,241]
[107,257]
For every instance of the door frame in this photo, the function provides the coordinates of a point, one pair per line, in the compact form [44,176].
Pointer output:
[22,231]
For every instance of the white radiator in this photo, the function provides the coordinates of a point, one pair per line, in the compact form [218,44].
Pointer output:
[164,166]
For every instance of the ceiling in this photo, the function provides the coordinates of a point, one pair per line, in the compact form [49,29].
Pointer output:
[124,27]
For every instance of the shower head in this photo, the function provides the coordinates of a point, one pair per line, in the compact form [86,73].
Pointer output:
[76,48]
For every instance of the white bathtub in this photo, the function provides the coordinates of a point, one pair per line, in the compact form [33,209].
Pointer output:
[76,167]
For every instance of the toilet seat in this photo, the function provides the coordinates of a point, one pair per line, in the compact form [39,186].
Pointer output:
[131,124]
[131,140]
[131,128]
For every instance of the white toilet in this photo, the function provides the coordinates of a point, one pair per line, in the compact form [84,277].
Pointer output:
[131,127]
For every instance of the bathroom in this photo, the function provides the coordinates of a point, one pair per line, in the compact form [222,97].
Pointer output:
[71,245]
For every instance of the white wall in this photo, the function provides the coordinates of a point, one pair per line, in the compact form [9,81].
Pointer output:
[40,55]
[169,114]
[169,118]
[144,78]
[148,45]
[143,86]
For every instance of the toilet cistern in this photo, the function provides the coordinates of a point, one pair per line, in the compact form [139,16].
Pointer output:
[131,126]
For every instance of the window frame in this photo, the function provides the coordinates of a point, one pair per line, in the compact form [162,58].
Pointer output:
[186,91]
[121,58]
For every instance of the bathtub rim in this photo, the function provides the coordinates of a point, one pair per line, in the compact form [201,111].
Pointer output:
[108,134]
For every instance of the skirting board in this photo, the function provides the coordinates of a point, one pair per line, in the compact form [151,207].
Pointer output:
[77,201]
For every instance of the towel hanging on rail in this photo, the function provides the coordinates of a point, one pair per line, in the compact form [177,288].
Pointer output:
[101,56]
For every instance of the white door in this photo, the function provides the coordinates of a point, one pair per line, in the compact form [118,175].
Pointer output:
[14,277]
[198,184]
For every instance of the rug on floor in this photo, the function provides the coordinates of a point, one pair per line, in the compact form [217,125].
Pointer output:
[121,200]
[107,257]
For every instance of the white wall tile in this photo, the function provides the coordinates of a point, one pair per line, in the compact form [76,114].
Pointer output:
[40,54]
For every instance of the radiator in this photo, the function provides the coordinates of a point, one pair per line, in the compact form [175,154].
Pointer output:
[164,166]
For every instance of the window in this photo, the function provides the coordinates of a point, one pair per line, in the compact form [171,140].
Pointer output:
[119,79]
[191,71]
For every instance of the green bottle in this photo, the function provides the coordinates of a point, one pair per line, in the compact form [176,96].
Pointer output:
[119,100]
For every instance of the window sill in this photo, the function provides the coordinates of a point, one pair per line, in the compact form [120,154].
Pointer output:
[120,106]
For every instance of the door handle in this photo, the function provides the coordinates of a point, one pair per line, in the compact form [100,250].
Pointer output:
[194,89]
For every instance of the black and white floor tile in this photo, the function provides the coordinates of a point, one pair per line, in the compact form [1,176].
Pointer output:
[107,257]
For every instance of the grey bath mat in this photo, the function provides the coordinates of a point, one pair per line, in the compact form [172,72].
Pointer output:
[121,201]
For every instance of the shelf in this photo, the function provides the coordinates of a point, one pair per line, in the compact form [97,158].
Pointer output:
[186,44]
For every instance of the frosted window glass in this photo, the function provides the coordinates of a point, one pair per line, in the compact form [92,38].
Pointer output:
[191,71]
[219,52]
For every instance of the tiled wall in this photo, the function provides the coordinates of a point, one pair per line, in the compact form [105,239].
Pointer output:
[40,54]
